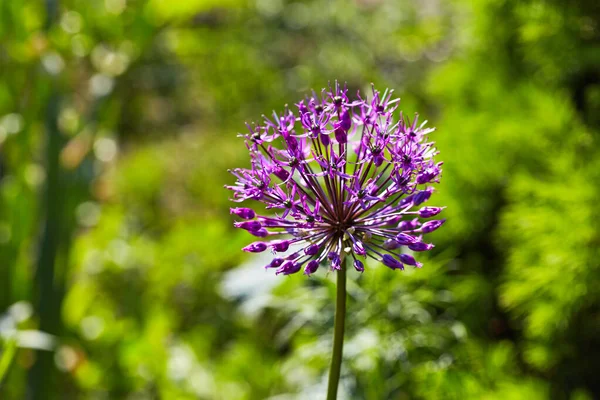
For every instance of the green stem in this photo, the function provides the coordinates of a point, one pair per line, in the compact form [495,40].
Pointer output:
[6,358]
[42,375]
[338,334]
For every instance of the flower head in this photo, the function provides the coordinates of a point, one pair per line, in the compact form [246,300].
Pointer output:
[339,178]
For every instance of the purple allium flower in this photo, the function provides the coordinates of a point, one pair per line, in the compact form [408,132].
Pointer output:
[339,178]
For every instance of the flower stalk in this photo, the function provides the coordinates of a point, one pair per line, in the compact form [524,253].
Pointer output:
[338,334]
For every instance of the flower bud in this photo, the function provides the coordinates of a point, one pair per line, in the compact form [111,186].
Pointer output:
[430,174]
[340,135]
[248,225]
[406,201]
[393,220]
[269,223]
[315,130]
[409,260]
[391,262]
[280,245]
[416,198]
[409,225]
[311,267]
[404,240]
[431,226]
[345,121]
[256,247]
[291,141]
[288,267]
[276,262]
[336,262]
[302,107]
[311,250]
[391,244]
[260,233]
[427,175]
[422,196]
[378,160]
[281,173]
[245,213]
[420,246]
[427,212]
[358,248]
[358,265]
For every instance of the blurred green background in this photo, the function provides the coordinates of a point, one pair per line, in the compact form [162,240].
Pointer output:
[121,276]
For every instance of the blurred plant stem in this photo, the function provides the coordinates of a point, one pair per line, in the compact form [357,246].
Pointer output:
[48,301]
[51,13]
[338,333]
[42,372]
[6,358]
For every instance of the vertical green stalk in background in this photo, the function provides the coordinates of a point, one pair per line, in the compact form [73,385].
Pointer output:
[338,334]
[48,304]
[6,358]
[41,374]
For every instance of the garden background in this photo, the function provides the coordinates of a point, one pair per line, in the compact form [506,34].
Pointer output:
[121,276]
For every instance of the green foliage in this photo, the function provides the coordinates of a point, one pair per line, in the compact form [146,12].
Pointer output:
[118,123]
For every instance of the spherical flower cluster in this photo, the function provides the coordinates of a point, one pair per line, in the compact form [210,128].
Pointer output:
[340,178]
